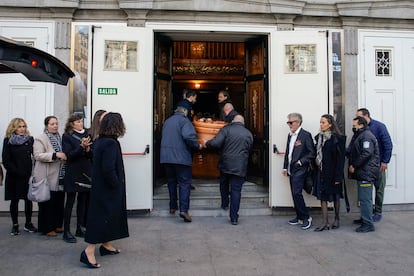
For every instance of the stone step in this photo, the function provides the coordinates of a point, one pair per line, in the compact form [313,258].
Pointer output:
[215,187]
[205,200]
[215,212]
[213,199]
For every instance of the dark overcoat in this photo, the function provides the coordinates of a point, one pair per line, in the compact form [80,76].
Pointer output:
[17,159]
[78,163]
[107,214]
[234,142]
[333,161]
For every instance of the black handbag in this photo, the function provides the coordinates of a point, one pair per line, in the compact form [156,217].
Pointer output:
[309,180]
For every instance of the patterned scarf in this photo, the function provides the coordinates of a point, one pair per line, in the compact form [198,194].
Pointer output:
[322,138]
[18,139]
[56,142]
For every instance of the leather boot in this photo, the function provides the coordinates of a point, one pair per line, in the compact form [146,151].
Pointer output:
[68,237]
[80,231]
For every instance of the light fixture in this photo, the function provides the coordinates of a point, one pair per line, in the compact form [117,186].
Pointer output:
[197,86]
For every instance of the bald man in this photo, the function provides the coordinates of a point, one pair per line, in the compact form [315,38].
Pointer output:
[234,142]
[230,112]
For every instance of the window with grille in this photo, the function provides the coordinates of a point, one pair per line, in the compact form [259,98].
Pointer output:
[383,63]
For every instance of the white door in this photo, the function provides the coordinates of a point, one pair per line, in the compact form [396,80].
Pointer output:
[20,97]
[387,87]
[122,82]
[298,83]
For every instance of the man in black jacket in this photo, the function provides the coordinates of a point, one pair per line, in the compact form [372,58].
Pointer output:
[364,166]
[234,142]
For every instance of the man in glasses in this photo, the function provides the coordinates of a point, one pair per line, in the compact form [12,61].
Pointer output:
[300,152]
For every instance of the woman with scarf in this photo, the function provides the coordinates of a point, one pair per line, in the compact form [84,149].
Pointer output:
[17,159]
[50,164]
[330,159]
[76,144]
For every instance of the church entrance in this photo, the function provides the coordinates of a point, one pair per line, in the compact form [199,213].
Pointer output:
[208,64]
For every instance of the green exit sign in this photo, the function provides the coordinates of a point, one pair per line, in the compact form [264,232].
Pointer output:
[107,91]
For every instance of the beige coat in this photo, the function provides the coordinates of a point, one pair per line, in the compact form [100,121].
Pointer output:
[43,154]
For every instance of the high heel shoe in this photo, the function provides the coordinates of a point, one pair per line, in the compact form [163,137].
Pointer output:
[104,251]
[321,228]
[84,259]
[335,225]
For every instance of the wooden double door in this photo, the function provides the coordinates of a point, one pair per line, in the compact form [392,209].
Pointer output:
[209,67]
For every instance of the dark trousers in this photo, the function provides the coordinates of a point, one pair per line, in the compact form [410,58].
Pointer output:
[14,210]
[231,186]
[297,181]
[81,208]
[181,176]
[51,212]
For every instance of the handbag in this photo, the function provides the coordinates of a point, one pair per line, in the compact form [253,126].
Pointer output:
[38,191]
[309,180]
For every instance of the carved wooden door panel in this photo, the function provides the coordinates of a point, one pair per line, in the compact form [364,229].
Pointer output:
[256,100]
[162,95]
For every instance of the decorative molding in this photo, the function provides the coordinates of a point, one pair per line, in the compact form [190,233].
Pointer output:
[286,14]
[62,34]
[350,41]
[204,69]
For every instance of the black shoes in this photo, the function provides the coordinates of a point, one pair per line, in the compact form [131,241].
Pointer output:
[322,228]
[185,216]
[365,229]
[29,227]
[172,211]
[307,223]
[68,237]
[358,221]
[295,221]
[103,251]
[80,232]
[15,230]
[335,225]
[84,259]
[234,222]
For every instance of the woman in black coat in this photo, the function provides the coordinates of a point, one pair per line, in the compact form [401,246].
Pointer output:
[107,215]
[330,159]
[17,159]
[76,144]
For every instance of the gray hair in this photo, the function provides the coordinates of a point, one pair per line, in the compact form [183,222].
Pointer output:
[182,110]
[238,119]
[227,108]
[296,116]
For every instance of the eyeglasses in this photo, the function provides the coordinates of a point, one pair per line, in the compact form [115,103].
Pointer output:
[291,122]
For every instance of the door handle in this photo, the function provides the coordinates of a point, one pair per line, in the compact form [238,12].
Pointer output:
[276,150]
[145,152]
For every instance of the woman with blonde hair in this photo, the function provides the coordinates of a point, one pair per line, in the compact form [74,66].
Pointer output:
[17,159]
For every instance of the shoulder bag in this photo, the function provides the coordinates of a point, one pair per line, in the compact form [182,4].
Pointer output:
[39,191]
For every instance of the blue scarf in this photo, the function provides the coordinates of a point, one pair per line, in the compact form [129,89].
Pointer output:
[18,139]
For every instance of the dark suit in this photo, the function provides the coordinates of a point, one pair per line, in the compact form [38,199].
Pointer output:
[303,154]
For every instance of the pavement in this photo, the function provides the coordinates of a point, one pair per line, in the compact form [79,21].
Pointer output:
[259,245]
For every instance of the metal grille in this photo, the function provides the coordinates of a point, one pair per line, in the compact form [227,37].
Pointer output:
[383,62]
